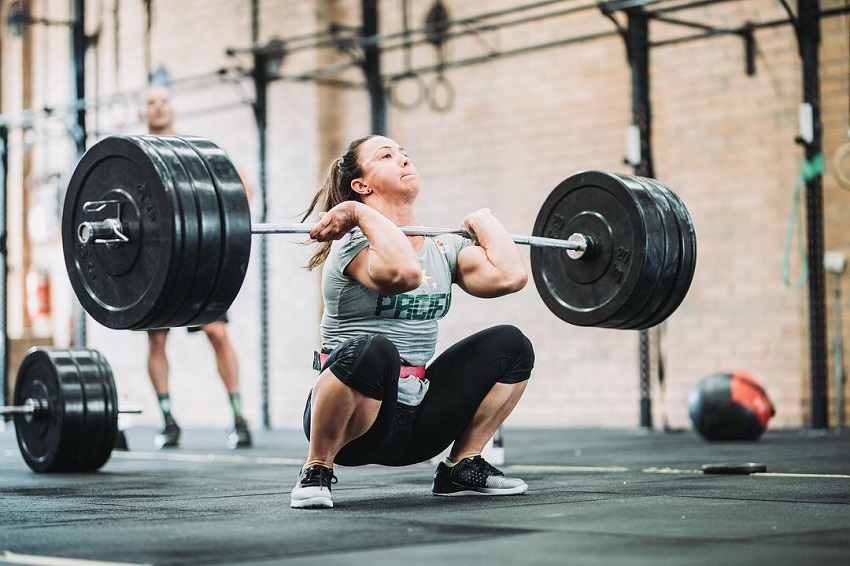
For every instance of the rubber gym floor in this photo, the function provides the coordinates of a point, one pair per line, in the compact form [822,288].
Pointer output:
[601,497]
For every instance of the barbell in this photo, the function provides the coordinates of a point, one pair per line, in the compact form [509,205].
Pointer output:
[156,233]
[66,409]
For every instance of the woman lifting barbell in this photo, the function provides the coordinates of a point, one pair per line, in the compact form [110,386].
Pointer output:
[374,402]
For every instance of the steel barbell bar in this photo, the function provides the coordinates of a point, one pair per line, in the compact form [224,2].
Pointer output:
[109,231]
[36,406]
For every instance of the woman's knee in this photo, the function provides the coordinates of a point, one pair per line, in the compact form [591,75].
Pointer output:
[367,363]
[521,351]
[380,358]
[380,349]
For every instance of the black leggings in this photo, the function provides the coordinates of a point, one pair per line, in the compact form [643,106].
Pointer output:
[459,379]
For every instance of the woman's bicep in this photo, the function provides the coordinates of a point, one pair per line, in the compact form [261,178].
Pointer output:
[473,272]
[358,268]
[362,269]
[477,275]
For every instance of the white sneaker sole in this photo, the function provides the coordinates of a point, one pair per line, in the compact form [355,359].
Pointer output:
[233,444]
[312,503]
[161,443]
[487,491]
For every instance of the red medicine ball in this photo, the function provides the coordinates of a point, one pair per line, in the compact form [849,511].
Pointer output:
[730,406]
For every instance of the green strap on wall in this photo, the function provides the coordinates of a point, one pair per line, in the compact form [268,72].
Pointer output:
[810,170]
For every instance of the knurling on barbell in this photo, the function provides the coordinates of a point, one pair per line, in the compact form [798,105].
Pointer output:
[156,233]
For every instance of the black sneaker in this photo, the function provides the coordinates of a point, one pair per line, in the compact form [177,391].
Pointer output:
[474,476]
[313,490]
[169,437]
[239,436]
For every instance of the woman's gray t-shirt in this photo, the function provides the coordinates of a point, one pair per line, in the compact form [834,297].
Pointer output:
[408,320]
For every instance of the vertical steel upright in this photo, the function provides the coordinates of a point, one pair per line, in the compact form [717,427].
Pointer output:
[261,82]
[637,48]
[78,80]
[4,264]
[372,67]
[808,36]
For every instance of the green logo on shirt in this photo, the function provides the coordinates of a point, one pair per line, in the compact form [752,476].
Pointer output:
[413,307]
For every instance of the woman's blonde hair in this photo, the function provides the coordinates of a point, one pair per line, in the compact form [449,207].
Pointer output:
[335,188]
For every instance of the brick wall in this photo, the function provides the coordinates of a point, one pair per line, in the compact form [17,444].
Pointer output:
[518,125]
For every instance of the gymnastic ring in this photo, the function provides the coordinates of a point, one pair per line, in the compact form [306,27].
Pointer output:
[441,85]
[421,91]
[841,153]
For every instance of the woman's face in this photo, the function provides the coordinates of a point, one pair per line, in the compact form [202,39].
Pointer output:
[387,170]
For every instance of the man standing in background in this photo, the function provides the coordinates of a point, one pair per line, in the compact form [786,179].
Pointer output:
[159,115]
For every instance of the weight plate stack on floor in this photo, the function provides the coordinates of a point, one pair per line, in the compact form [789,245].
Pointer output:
[101,409]
[75,424]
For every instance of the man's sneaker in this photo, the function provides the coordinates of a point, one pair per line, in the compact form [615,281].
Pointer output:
[169,437]
[313,490]
[474,476]
[239,436]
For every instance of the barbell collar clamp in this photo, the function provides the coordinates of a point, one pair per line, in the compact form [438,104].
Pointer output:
[30,407]
[107,231]
[584,243]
